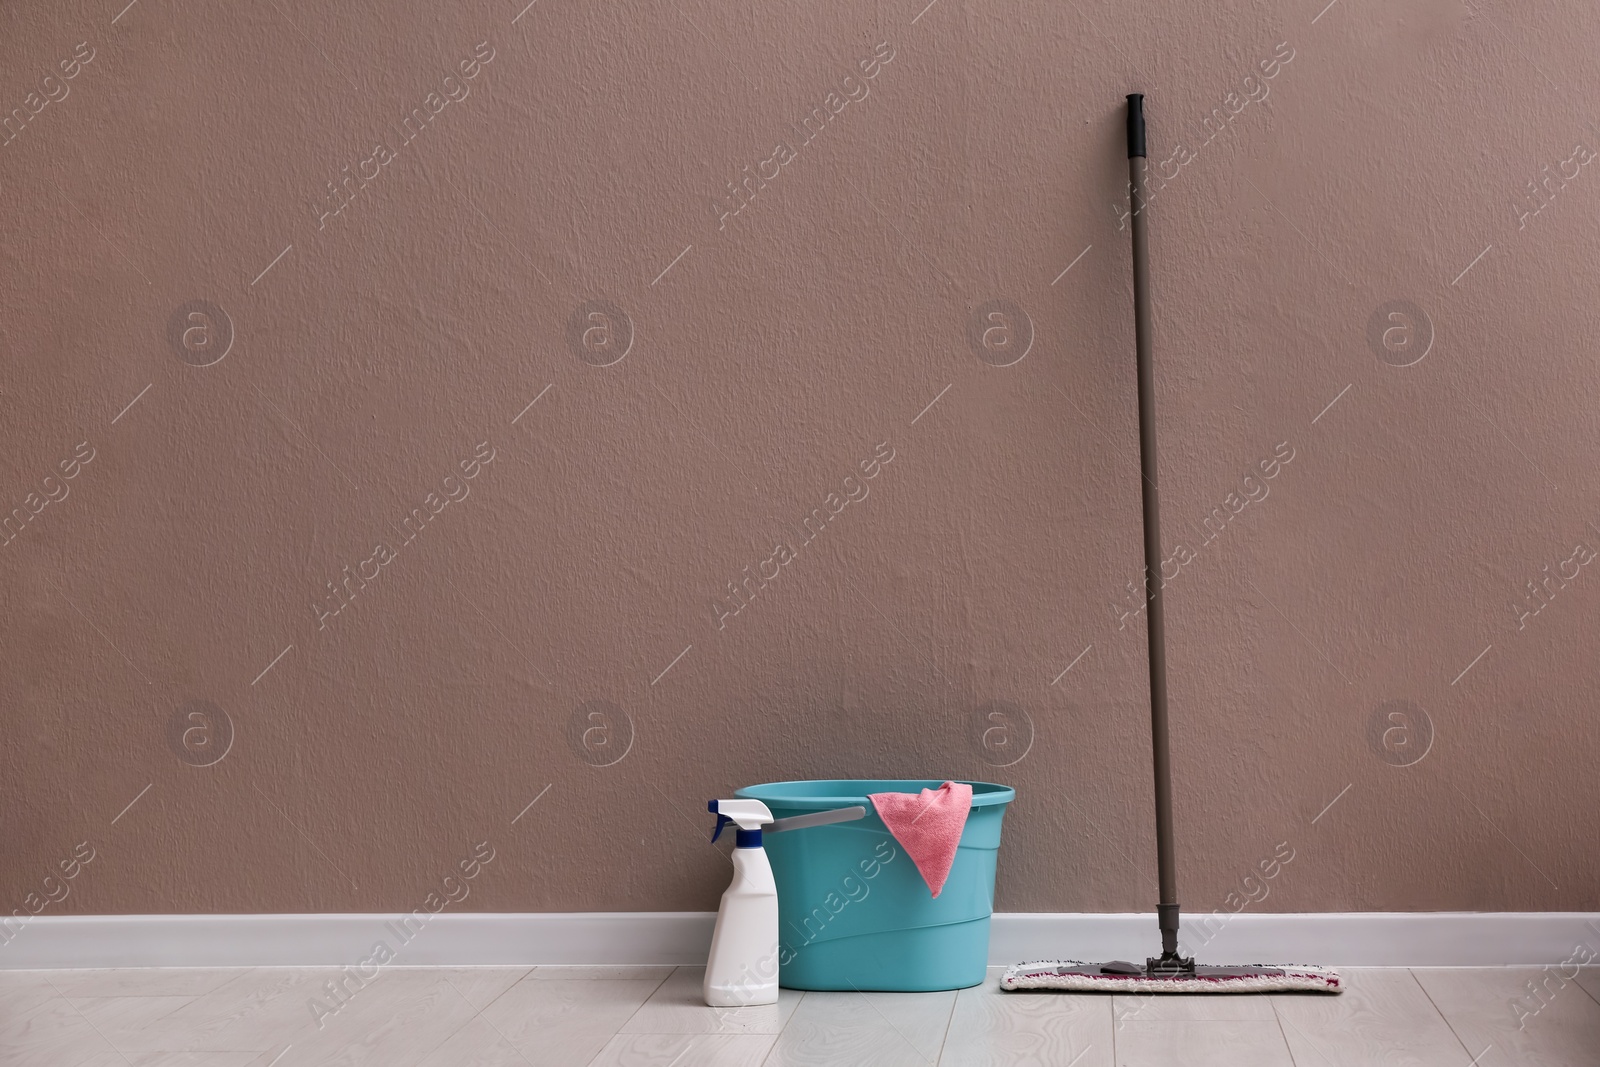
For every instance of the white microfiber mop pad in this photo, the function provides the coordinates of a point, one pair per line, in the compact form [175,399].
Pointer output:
[1076,977]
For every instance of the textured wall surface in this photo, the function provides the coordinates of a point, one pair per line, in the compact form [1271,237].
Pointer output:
[435,425]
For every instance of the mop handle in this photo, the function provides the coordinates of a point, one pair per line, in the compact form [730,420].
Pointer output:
[1166,863]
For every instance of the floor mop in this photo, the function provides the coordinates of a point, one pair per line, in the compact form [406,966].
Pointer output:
[1169,972]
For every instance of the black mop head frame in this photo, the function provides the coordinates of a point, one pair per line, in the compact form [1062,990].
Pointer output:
[1074,976]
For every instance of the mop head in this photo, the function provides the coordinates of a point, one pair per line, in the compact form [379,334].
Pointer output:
[1077,977]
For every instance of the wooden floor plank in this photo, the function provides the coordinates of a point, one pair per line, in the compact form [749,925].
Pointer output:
[1382,1017]
[566,1023]
[685,1050]
[1505,1023]
[1203,1044]
[993,1029]
[882,1029]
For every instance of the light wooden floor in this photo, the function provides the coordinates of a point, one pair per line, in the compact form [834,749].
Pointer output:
[651,1017]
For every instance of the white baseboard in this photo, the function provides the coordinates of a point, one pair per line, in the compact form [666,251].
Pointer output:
[1353,939]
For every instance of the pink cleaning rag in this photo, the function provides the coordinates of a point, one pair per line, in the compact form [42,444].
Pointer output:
[928,826]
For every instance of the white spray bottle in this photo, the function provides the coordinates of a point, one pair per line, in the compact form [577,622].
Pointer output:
[743,968]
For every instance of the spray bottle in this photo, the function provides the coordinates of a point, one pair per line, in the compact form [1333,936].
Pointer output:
[743,968]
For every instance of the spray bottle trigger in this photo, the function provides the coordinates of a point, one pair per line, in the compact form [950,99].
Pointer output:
[746,814]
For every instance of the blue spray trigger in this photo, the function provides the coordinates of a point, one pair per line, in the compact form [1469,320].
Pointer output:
[722,820]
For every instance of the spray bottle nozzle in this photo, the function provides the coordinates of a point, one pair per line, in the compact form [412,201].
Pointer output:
[747,815]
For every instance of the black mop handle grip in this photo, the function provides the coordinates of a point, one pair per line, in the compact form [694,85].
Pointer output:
[1135,125]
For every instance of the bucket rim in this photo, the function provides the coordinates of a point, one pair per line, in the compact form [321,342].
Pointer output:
[984,794]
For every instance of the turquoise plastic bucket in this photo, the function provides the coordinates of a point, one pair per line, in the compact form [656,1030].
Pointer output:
[854,913]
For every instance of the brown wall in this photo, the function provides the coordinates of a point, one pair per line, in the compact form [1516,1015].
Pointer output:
[769,357]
